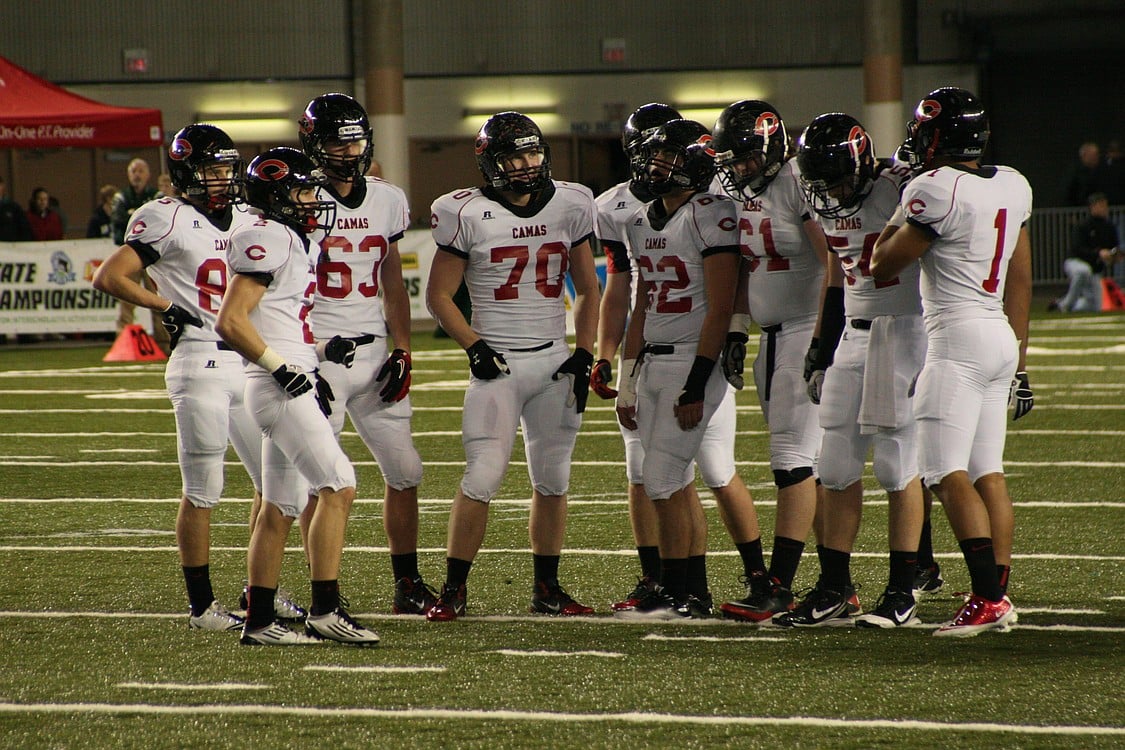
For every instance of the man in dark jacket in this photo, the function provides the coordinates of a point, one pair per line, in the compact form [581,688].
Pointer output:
[1093,251]
[131,197]
[14,226]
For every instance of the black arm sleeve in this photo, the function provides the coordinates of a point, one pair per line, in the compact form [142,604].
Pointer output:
[831,326]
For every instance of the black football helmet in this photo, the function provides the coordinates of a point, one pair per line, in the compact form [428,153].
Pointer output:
[503,136]
[837,161]
[641,124]
[336,118]
[202,157]
[749,130]
[678,156]
[270,180]
[947,122]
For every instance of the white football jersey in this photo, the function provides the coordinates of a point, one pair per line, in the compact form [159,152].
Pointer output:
[615,207]
[974,216]
[517,258]
[852,239]
[272,251]
[785,272]
[186,255]
[347,300]
[669,250]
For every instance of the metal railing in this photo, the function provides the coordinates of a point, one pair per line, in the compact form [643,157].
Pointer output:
[1051,234]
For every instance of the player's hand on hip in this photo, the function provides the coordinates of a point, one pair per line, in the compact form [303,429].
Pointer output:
[1021,394]
[485,362]
[396,371]
[293,380]
[324,394]
[577,368]
[600,378]
[174,318]
[336,349]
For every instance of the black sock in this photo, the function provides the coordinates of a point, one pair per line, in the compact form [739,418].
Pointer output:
[835,568]
[674,577]
[259,607]
[981,559]
[753,562]
[925,547]
[697,576]
[546,568]
[405,565]
[457,571]
[903,566]
[200,595]
[786,558]
[650,562]
[325,597]
[1004,572]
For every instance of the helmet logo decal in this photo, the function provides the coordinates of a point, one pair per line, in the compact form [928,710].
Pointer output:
[527,141]
[352,132]
[767,124]
[857,141]
[928,109]
[705,141]
[273,170]
[305,124]
[481,145]
[179,150]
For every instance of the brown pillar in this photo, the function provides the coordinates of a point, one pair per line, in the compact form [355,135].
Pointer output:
[382,63]
[882,74]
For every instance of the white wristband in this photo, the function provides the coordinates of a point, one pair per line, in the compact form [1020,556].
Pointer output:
[739,323]
[625,377]
[270,360]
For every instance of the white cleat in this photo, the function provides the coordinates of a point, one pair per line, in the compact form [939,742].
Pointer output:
[276,634]
[215,617]
[339,626]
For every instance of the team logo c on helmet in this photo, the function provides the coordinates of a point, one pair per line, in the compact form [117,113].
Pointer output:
[767,124]
[480,145]
[928,109]
[273,170]
[305,124]
[705,141]
[857,141]
[180,149]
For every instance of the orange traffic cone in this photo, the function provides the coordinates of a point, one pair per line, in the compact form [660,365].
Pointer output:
[134,344]
[1112,296]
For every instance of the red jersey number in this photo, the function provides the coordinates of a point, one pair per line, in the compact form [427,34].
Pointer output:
[548,280]
[211,281]
[664,302]
[864,265]
[776,261]
[334,277]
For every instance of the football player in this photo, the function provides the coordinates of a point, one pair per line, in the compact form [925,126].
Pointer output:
[784,256]
[716,458]
[264,318]
[181,241]
[685,243]
[513,242]
[967,224]
[360,296]
[870,348]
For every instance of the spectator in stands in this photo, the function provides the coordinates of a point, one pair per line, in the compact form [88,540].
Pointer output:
[45,222]
[1089,175]
[1115,173]
[164,185]
[101,223]
[1093,250]
[14,226]
[134,195]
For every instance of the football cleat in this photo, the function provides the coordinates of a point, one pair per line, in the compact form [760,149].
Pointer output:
[979,614]
[928,580]
[413,596]
[656,604]
[215,617]
[765,598]
[450,604]
[550,599]
[284,608]
[820,608]
[701,607]
[339,626]
[894,609]
[644,585]
[276,634]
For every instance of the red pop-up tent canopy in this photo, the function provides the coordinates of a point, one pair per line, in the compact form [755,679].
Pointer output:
[38,114]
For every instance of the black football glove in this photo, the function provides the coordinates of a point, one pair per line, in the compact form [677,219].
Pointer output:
[485,362]
[814,372]
[577,368]
[174,318]
[696,385]
[1021,393]
[292,380]
[324,394]
[339,350]
[733,358]
[396,371]
[600,378]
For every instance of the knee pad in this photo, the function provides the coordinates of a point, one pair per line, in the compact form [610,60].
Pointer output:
[788,477]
